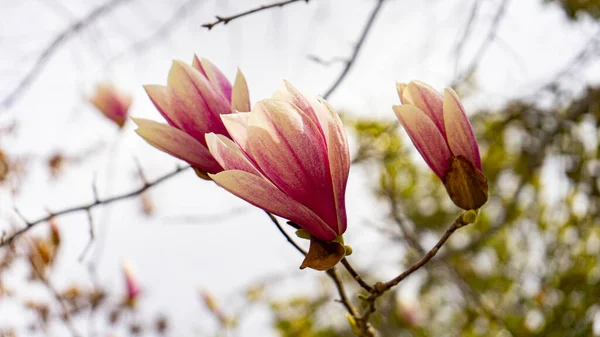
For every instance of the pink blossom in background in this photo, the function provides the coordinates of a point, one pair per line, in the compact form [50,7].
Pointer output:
[131,283]
[289,156]
[192,103]
[112,102]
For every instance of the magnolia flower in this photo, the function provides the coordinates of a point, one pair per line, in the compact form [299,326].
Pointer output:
[289,156]
[192,103]
[112,102]
[442,133]
[131,283]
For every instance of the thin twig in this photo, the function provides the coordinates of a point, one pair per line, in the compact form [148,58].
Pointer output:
[381,287]
[88,206]
[465,35]
[483,48]
[54,46]
[356,50]
[181,13]
[225,19]
[356,276]
[45,280]
[332,273]
[342,292]
[92,235]
[289,239]
[411,240]
[458,223]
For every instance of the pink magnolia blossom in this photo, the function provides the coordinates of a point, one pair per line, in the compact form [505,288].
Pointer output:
[112,102]
[289,156]
[131,283]
[192,103]
[442,133]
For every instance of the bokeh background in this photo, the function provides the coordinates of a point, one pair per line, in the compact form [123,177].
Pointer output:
[212,265]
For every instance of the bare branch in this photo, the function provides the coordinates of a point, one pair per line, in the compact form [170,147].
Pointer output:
[92,236]
[458,223]
[186,9]
[35,266]
[357,48]
[483,48]
[88,206]
[380,288]
[225,19]
[289,239]
[356,276]
[60,39]
[332,273]
[465,35]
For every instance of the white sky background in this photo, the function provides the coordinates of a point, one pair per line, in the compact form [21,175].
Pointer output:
[410,40]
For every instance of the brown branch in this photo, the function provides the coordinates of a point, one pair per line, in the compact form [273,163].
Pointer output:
[465,36]
[357,47]
[356,276]
[225,19]
[381,287]
[86,207]
[342,292]
[410,238]
[289,239]
[332,273]
[458,223]
[60,39]
[39,273]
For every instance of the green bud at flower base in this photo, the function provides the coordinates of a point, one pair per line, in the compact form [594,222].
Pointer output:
[348,250]
[469,216]
[303,234]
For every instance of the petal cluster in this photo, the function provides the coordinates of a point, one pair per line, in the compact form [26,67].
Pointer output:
[288,156]
[441,132]
[192,103]
[112,102]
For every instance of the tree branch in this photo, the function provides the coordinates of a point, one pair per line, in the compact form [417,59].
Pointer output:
[356,276]
[357,48]
[458,223]
[86,207]
[289,239]
[381,287]
[332,273]
[483,48]
[27,80]
[180,14]
[225,19]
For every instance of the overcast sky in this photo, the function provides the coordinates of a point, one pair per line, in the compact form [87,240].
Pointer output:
[175,257]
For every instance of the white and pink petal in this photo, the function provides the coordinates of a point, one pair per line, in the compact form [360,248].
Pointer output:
[290,151]
[228,154]
[460,135]
[237,127]
[263,194]
[427,99]
[193,94]
[426,137]
[217,79]
[240,96]
[176,143]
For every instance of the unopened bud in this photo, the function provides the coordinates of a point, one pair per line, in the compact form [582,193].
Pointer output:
[112,102]
[133,287]
[348,250]
[469,216]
